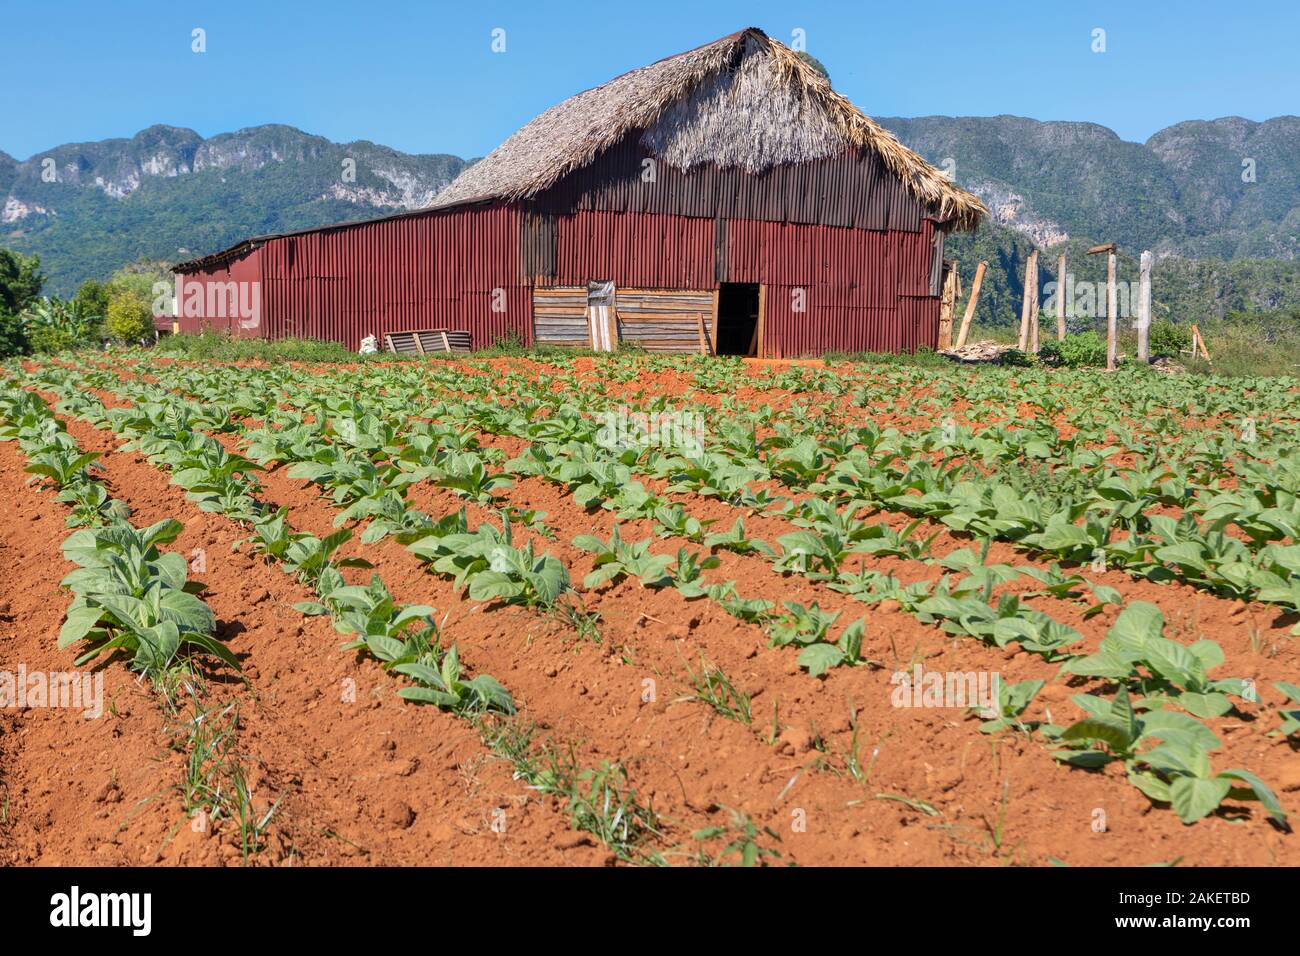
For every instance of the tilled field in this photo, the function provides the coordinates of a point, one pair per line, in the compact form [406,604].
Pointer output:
[649,611]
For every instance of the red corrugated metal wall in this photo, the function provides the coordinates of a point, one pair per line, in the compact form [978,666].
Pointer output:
[639,250]
[203,309]
[837,289]
[828,287]
[456,270]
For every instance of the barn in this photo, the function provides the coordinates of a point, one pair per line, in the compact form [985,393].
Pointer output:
[726,198]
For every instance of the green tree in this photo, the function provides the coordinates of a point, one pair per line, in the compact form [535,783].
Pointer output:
[20,285]
[129,317]
[92,298]
[20,281]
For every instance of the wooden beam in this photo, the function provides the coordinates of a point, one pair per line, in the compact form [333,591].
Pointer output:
[970,303]
[947,304]
[1031,268]
[1144,309]
[1033,312]
[1060,298]
[1112,310]
[704,338]
[1104,247]
[1198,344]
[611,318]
[762,313]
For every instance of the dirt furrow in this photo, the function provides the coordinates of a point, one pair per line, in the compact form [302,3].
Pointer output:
[362,776]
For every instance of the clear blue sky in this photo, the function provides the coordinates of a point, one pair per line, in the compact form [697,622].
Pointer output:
[421,76]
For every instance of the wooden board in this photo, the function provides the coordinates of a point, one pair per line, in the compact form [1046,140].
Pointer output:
[658,320]
[665,320]
[560,317]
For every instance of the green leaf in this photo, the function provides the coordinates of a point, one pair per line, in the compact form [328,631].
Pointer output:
[1261,791]
[1113,734]
[216,648]
[81,621]
[1136,624]
[1204,705]
[819,658]
[427,695]
[1196,797]
[385,648]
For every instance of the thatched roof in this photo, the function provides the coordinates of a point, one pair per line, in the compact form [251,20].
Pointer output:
[744,101]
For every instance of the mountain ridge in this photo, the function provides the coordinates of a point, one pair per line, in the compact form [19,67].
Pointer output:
[1224,188]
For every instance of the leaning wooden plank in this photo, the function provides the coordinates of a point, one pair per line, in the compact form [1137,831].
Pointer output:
[970,305]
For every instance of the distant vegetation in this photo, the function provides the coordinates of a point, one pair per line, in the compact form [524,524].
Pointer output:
[120,309]
[1182,290]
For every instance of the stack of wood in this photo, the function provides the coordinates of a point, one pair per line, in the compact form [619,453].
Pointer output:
[977,352]
[424,341]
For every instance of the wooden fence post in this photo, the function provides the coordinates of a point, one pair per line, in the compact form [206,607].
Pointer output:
[1026,300]
[1144,309]
[1112,303]
[1112,312]
[970,303]
[1033,313]
[1060,298]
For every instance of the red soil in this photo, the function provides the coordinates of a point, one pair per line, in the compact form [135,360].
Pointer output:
[409,784]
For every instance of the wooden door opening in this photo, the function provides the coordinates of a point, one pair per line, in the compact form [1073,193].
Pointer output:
[737,331]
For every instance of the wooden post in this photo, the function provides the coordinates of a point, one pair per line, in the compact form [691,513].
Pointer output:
[762,313]
[1112,312]
[1144,309]
[1060,298]
[1031,269]
[947,304]
[706,347]
[970,304]
[713,318]
[1033,313]
[1112,303]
